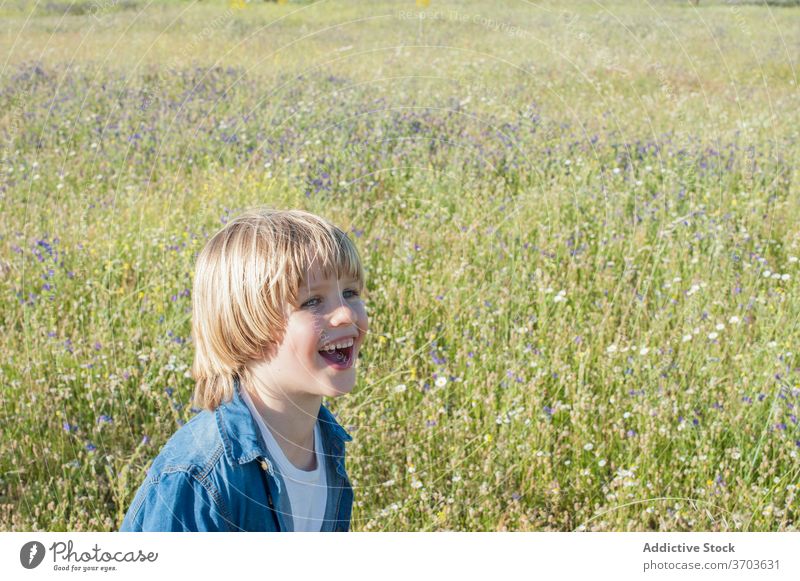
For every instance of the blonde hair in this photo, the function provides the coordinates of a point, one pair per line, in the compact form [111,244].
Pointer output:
[246,277]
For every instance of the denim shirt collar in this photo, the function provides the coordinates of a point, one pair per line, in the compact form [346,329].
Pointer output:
[242,440]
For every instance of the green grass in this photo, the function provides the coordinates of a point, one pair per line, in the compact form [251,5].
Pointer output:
[556,207]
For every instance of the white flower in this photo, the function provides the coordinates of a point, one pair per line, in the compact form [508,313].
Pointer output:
[400,388]
[712,336]
[687,338]
[456,478]
[734,320]
[766,274]
[644,351]
[626,415]
[588,447]
[785,277]
[441,381]
[720,327]
[611,349]
[792,259]
[616,170]
[601,463]
[416,483]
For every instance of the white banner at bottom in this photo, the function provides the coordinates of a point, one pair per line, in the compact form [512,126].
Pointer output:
[442,555]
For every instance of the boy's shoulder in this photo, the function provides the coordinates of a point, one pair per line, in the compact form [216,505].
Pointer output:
[194,448]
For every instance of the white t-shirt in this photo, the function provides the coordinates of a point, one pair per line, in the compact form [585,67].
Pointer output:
[308,489]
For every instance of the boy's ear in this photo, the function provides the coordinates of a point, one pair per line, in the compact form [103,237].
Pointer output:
[268,352]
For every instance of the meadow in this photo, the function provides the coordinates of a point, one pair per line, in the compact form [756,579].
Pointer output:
[578,222]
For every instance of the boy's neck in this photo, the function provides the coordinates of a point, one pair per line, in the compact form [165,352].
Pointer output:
[291,423]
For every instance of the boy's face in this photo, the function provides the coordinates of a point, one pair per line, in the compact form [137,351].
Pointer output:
[329,310]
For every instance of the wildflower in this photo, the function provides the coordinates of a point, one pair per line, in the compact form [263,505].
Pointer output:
[416,483]
[644,351]
[712,336]
[104,419]
[611,349]
[734,320]
[91,447]
[400,388]
[588,447]
[687,338]
[720,326]
[441,381]
[601,463]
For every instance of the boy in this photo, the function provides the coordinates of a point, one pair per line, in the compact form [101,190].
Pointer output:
[277,324]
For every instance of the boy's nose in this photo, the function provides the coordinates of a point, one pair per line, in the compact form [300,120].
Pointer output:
[344,313]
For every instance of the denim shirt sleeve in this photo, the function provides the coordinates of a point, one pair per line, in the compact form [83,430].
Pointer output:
[174,501]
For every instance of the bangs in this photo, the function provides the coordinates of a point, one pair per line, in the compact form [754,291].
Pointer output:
[336,256]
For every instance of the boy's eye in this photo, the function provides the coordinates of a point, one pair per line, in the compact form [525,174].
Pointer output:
[313,301]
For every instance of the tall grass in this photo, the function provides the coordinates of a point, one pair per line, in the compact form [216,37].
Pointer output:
[578,225]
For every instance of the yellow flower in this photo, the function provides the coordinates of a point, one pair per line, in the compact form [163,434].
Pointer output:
[382,339]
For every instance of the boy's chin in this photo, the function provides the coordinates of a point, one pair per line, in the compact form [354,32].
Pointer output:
[340,390]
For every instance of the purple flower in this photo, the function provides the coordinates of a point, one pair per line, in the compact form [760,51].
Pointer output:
[145,439]
[91,447]
[97,346]
[104,419]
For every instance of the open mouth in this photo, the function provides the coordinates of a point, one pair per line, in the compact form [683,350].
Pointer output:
[339,357]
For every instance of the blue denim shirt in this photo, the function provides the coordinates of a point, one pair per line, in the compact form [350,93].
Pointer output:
[216,474]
